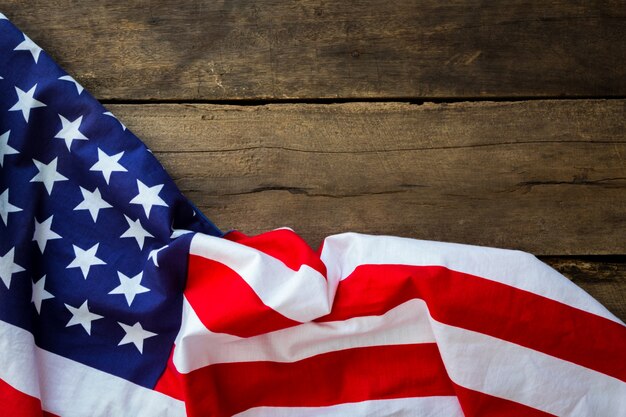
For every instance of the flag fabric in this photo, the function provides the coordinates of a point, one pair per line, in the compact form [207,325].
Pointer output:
[119,298]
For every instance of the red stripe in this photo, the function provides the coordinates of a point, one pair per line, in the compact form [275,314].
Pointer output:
[380,372]
[487,307]
[169,383]
[478,404]
[225,303]
[284,245]
[15,403]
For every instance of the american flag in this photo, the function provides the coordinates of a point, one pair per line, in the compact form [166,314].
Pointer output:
[119,298]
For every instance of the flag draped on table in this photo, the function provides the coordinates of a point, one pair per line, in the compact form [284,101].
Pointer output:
[119,298]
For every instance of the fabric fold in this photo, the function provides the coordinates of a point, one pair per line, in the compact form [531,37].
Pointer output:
[119,297]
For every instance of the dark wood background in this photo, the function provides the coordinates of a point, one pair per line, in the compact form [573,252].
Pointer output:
[490,123]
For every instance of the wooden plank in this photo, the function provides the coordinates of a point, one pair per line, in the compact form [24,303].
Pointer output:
[309,49]
[548,177]
[604,280]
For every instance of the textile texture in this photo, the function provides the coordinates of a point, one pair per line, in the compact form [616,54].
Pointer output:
[119,298]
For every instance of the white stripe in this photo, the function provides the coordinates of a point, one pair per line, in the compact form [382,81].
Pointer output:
[343,253]
[68,388]
[301,295]
[196,346]
[507,370]
[397,407]
[473,360]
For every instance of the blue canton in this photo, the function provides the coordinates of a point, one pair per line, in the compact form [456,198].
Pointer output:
[94,234]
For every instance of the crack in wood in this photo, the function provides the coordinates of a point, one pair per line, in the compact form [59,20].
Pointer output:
[576,181]
[301,191]
[374,151]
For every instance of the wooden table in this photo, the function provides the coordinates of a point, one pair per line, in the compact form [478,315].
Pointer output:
[489,123]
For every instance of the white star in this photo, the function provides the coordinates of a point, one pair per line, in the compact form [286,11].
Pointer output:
[108,164]
[135,334]
[40,293]
[8,267]
[43,233]
[179,232]
[47,174]
[5,149]
[85,259]
[30,46]
[154,255]
[93,202]
[6,207]
[148,197]
[71,79]
[82,316]
[130,287]
[108,113]
[136,230]
[69,131]
[3,17]
[26,101]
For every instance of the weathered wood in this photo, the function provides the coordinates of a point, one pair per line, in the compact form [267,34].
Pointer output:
[548,177]
[605,280]
[210,50]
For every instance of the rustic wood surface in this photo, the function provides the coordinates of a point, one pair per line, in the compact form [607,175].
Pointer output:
[541,168]
[311,49]
[604,279]
[548,177]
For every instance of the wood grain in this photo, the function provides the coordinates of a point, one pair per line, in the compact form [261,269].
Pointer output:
[604,279]
[311,49]
[548,177]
